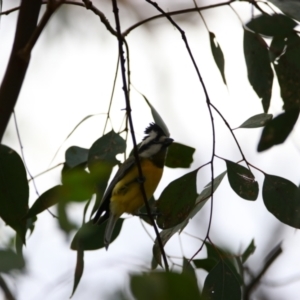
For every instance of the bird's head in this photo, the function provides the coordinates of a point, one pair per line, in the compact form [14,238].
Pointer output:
[155,141]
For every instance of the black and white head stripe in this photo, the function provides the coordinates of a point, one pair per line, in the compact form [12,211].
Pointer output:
[154,127]
[154,141]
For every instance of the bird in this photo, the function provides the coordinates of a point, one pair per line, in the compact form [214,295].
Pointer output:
[124,194]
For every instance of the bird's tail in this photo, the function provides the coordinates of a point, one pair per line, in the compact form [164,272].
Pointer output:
[112,220]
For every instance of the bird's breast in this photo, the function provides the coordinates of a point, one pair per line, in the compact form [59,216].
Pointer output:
[127,196]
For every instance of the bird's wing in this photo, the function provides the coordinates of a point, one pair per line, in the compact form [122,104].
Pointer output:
[104,204]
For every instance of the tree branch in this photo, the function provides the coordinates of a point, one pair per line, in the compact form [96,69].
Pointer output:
[7,292]
[17,65]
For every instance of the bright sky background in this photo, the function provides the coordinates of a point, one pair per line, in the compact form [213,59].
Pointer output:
[71,75]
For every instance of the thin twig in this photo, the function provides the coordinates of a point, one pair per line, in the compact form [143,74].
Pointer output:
[232,133]
[252,285]
[128,109]
[89,5]
[174,13]
[17,66]
[183,36]
[51,8]
[112,94]
[22,154]
[8,294]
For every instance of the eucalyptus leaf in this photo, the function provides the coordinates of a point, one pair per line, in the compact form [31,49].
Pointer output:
[282,199]
[177,200]
[277,130]
[221,284]
[256,121]
[260,74]
[217,54]
[14,190]
[242,181]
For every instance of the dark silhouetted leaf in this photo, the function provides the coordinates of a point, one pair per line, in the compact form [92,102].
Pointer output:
[102,159]
[63,220]
[277,47]
[177,200]
[256,121]
[168,233]
[165,235]
[46,200]
[219,254]
[10,260]
[76,156]
[282,199]
[91,236]
[260,73]
[217,54]
[206,194]
[273,254]
[164,286]
[287,67]
[143,211]
[289,7]
[78,269]
[242,181]
[188,269]
[206,264]
[105,149]
[277,130]
[157,118]
[250,250]
[221,284]
[179,156]
[272,25]
[14,190]
[78,184]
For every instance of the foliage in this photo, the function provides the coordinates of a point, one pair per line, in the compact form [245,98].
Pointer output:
[86,171]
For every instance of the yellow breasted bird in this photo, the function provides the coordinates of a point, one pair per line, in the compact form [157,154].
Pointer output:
[124,195]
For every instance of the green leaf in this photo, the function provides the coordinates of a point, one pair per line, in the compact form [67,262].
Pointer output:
[221,284]
[206,194]
[276,24]
[78,184]
[277,130]
[287,67]
[14,190]
[282,199]
[289,7]
[105,149]
[166,234]
[277,48]
[143,211]
[76,156]
[91,236]
[179,156]
[250,250]
[206,264]
[217,54]
[242,181]
[188,269]
[177,200]
[256,121]
[219,254]
[78,269]
[157,118]
[260,74]
[10,260]
[46,200]
[63,220]
[102,159]
[164,286]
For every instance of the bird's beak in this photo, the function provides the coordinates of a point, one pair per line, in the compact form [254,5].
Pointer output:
[168,141]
